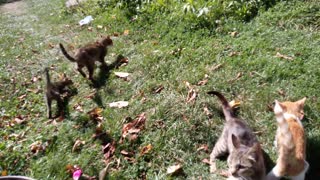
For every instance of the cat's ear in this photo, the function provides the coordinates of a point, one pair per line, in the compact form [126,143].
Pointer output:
[278,107]
[301,102]
[235,141]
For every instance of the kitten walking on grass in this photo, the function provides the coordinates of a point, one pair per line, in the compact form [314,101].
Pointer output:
[245,160]
[290,141]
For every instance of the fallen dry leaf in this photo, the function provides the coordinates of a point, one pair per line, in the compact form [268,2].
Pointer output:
[174,169]
[78,107]
[234,34]
[158,89]
[108,151]
[203,147]
[279,55]
[35,91]
[239,75]
[99,26]
[234,104]
[77,145]
[121,74]
[207,112]
[192,93]
[126,32]
[19,120]
[234,53]
[95,114]
[4,173]
[132,129]
[22,97]
[145,149]
[206,161]
[216,67]
[203,81]
[119,104]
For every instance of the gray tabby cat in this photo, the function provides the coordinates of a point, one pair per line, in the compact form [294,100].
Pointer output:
[245,160]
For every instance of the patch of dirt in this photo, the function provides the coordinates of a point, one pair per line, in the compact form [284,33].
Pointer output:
[14,8]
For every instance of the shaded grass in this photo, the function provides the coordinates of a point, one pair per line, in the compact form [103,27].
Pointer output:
[159,55]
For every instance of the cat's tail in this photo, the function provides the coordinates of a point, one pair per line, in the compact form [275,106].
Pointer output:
[65,53]
[227,110]
[46,70]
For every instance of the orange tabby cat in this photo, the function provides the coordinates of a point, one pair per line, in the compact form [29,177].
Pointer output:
[290,141]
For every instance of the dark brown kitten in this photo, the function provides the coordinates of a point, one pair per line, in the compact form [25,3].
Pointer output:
[55,91]
[88,54]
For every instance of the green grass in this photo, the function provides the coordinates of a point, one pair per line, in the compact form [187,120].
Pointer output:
[166,53]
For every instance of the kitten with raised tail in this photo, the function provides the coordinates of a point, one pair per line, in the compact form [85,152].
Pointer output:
[290,141]
[55,91]
[88,54]
[245,159]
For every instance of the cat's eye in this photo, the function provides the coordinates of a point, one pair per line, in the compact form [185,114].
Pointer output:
[238,166]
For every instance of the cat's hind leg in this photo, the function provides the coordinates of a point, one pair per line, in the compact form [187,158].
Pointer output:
[220,148]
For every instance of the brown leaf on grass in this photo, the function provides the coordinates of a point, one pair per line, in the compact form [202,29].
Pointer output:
[50,45]
[119,104]
[281,92]
[78,107]
[22,97]
[19,120]
[146,149]
[35,91]
[95,114]
[192,93]
[126,32]
[132,129]
[234,104]
[122,74]
[35,79]
[116,34]
[108,151]
[215,67]
[234,34]
[174,169]
[77,145]
[207,112]
[158,89]
[37,147]
[203,81]
[234,53]
[206,161]
[203,147]
[239,75]
[281,56]
[4,173]
[125,153]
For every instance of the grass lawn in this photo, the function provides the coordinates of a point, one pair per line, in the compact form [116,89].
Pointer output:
[273,56]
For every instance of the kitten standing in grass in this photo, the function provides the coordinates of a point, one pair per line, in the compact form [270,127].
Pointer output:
[290,141]
[88,54]
[55,91]
[245,160]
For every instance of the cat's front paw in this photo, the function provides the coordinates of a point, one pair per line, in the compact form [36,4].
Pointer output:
[213,168]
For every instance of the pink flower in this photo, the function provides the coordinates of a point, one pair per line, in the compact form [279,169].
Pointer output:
[77,174]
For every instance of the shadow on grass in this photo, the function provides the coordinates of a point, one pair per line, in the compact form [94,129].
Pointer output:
[313,158]
[7,1]
[104,73]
